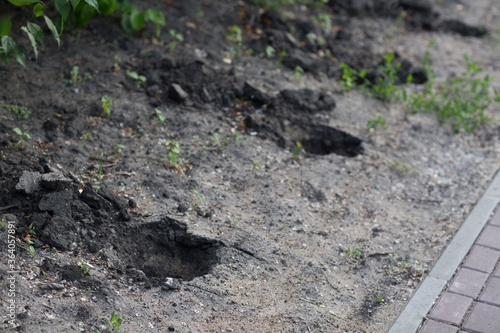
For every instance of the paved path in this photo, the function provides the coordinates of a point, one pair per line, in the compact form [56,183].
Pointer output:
[462,291]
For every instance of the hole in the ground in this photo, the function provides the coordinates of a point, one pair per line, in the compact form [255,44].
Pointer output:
[324,140]
[165,249]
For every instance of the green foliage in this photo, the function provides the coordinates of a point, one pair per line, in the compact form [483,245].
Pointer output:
[174,161]
[299,71]
[255,165]
[86,136]
[28,247]
[298,150]
[349,77]
[379,298]
[113,325]
[119,148]
[131,19]
[100,179]
[234,36]
[377,121]
[460,101]
[270,51]
[74,76]
[107,102]
[160,116]
[85,267]
[385,89]
[177,37]
[401,167]
[139,79]
[199,202]
[21,112]
[23,136]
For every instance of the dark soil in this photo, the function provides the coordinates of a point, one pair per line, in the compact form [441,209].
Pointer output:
[245,233]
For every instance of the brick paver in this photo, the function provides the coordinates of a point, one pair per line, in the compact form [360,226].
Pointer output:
[490,237]
[432,326]
[482,258]
[451,308]
[471,303]
[491,293]
[484,318]
[468,282]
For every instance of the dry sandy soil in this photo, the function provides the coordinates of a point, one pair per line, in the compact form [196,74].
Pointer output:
[242,235]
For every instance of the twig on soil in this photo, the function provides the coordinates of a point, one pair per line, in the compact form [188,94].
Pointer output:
[7,207]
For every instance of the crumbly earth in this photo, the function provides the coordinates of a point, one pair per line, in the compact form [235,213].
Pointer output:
[239,234]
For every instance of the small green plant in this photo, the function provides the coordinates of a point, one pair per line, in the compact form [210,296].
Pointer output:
[107,102]
[160,117]
[113,325]
[221,141]
[31,230]
[401,167]
[349,77]
[461,101]
[255,165]
[299,71]
[353,253]
[298,150]
[74,76]
[23,136]
[323,19]
[385,89]
[174,161]
[281,56]
[100,179]
[177,37]
[377,121]
[28,247]
[119,149]
[379,298]
[139,79]
[270,51]
[86,136]
[20,112]
[199,201]
[85,267]
[234,36]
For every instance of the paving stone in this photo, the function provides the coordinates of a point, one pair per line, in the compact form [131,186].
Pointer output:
[497,272]
[468,282]
[484,318]
[495,220]
[482,258]
[491,293]
[490,237]
[432,326]
[451,308]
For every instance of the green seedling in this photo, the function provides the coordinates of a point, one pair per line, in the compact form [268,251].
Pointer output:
[385,89]
[86,136]
[100,179]
[198,202]
[85,267]
[379,298]
[270,51]
[460,101]
[234,36]
[20,112]
[281,56]
[139,79]
[113,325]
[31,230]
[119,149]
[377,121]
[353,253]
[255,165]
[74,76]
[401,167]
[177,37]
[174,161]
[107,102]
[23,136]
[28,247]
[299,71]
[160,117]
[349,77]
[298,150]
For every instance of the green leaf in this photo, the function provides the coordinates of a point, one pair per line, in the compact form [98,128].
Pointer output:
[63,8]
[5,26]
[155,16]
[93,3]
[38,9]
[126,24]
[8,44]
[32,40]
[84,13]
[137,19]
[75,3]
[53,30]
[4,56]
[107,7]
[18,131]
[36,31]
[23,2]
